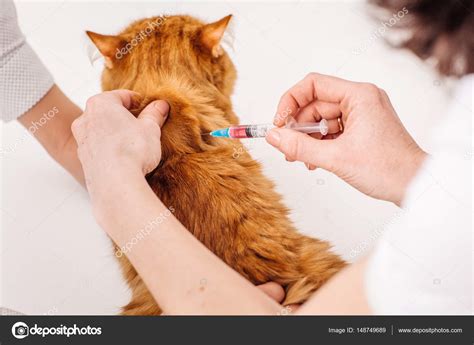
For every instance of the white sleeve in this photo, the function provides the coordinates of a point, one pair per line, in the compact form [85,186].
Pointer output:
[423,263]
[24,80]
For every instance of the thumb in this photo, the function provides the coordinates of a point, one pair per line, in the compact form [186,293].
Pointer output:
[156,111]
[304,148]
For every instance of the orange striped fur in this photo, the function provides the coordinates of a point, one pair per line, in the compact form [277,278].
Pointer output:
[222,198]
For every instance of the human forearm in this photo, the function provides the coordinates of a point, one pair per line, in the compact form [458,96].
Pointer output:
[344,294]
[198,282]
[182,274]
[49,121]
[27,92]
[116,150]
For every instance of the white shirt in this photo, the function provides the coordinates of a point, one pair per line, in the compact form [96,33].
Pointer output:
[23,78]
[423,264]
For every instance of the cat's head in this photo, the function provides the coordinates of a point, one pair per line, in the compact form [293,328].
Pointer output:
[170,57]
[166,45]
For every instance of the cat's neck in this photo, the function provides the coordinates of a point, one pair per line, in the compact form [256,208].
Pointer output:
[196,109]
[185,90]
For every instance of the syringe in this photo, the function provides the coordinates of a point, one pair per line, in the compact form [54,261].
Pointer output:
[260,131]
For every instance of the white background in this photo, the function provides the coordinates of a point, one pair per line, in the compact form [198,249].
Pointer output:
[56,260]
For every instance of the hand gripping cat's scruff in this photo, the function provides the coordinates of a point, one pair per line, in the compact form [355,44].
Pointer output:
[224,201]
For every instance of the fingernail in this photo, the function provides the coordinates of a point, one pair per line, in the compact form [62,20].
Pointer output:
[163,107]
[273,138]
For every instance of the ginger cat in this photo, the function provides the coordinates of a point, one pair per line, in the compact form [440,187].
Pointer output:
[223,200]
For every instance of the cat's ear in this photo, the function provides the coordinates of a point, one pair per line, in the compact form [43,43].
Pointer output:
[109,46]
[212,34]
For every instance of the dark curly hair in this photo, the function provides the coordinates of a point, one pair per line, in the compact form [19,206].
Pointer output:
[439,30]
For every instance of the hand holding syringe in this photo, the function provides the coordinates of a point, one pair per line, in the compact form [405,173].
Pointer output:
[260,131]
